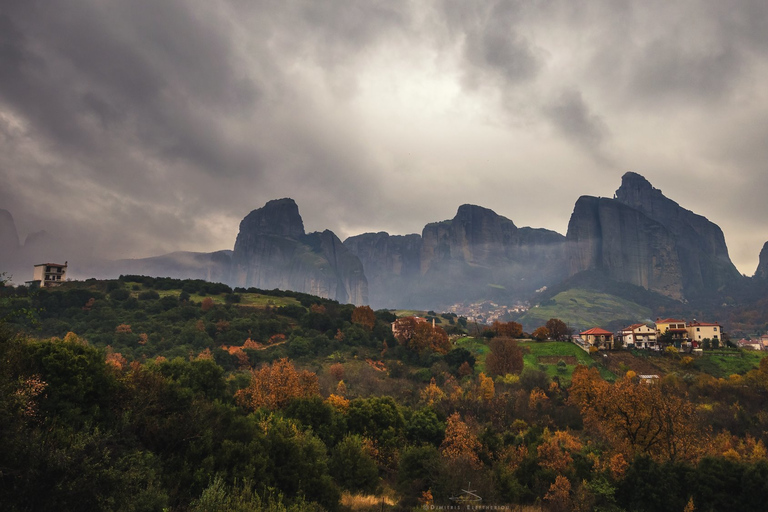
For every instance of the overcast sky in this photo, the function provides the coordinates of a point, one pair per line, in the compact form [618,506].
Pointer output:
[141,127]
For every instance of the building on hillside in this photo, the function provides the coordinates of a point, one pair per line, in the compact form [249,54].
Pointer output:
[671,331]
[46,275]
[597,337]
[749,344]
[639,336]
[764,341]
[699,331]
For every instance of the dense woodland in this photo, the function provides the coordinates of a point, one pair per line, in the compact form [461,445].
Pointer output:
[159,394]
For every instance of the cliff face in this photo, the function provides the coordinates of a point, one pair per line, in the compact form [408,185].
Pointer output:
[762,267]
[9,237]
[272,251]
[392,265]
[606,235]
[477,254]
[701,248]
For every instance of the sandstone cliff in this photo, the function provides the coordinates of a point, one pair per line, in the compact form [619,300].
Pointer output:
[703,255]
[623,243]
[272,251]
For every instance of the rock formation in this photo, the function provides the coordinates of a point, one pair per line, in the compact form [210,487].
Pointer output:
[9,237]
[703,255]
[762,267]
[272,251]
[606,235]
[476,255]
[642,237]
[392,265]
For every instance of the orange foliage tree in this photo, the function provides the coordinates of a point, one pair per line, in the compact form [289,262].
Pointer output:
[460,443]
[638,418]
[364,315]
[207,304]
[273,386]
[540,334]
[404,329]
[505,357]
[507,329]
[431,338]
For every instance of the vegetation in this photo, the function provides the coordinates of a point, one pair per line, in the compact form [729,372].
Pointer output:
[582,309]
[156,394]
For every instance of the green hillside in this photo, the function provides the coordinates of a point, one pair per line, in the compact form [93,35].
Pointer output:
[583,309]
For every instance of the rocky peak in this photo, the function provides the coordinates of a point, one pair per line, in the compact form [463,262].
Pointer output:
[700,243]
[278,217]
[9,237]
[762,267]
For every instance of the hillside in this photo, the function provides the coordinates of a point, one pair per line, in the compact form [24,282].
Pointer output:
[582,309]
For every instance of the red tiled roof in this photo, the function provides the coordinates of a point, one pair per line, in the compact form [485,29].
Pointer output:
[50,265]
[596,331]
[704,324]
[633,327]
[670,321]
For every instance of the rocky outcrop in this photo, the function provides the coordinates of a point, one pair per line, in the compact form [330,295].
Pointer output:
[623,243]
[9,237]
[703,255]
[392,265]
[272,251]
[762,267]
[476,255]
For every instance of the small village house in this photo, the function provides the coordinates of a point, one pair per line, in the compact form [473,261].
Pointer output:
[699,331]
[639,336]
[46,275]
[597,337]
[673,330]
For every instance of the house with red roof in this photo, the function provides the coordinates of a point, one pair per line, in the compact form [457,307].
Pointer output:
[699,331]
[597,337]
[639,336]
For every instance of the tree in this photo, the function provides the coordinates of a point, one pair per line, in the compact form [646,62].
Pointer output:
[352,468]
[460,443]
[638,418]
[428,338]
[404,329]
[364,315]
[558,330]
[507,329]
[540,334]
[505,357]
[275,385]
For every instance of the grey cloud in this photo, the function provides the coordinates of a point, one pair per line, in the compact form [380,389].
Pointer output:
[573,117]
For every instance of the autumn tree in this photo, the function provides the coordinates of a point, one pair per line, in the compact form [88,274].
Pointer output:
[507,329]
[364,316]
[207,304]
[431,338]
[505,357]
[337,371]
[540,334]
[275,385]
[460,443]
[637,418]
[486,388]
[558,330]
[404,329]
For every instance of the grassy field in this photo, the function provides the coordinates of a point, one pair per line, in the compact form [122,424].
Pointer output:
[545,355]
[583,309]
[725,363]
[537,355]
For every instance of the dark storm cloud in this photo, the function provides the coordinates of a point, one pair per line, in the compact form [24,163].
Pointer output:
[572,116]
[164,123]
[492,46]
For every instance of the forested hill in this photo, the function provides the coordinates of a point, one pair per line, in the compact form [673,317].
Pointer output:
[143,394]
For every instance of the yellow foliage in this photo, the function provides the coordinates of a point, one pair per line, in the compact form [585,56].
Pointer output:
[432,393]
[338,402]
[275,385]
[487,389]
